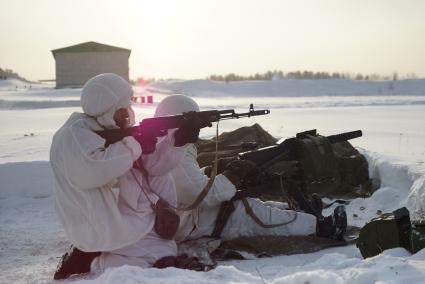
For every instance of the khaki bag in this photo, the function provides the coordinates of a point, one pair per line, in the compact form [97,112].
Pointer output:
[390,230]
[166,220]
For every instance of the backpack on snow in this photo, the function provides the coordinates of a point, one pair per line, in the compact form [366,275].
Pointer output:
[391,230]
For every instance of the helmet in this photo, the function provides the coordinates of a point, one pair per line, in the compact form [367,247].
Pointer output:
[175,104]
[103,95]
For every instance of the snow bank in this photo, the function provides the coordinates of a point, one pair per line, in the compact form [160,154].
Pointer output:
[26,179]
[392,266]
[39,98]
[402,184]
[23,105]
[290,87]
[416,198]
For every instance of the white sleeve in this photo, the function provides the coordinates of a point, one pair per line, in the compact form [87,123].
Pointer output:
[190,181]
[88,164]
[165,157]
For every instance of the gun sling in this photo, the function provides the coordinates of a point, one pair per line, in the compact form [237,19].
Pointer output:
[201,196]
[227,208]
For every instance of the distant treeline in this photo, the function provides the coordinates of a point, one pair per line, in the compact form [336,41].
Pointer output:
[10,74]
[278,74]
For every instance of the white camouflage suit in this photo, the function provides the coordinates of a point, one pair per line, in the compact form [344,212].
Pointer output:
[98,201]
[190,180]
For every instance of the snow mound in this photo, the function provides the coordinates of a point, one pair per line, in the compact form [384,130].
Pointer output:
[401,184]
[290,87]
[39,99]
[26,179]
[27,105]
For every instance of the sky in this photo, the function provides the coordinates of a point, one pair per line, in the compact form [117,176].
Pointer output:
[192,39]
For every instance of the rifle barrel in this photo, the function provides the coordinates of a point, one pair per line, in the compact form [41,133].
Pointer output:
[245,114]
[344,136]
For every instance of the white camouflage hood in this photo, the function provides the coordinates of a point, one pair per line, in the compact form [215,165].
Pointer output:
[102,95]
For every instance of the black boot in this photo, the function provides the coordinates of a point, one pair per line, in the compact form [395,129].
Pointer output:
[74,261]
[316,204]
[333,226]
[296,193]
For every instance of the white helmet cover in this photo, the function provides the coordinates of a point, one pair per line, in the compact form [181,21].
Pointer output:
[175,104]
[103,95]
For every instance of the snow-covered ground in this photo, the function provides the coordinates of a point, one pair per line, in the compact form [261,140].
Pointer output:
[392,120]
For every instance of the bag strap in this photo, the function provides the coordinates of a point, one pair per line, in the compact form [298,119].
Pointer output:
[201,196]
[227,208]
[223,215]
[257,220]
[141,187]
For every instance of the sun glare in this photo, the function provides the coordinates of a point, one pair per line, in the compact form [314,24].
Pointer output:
[156,16]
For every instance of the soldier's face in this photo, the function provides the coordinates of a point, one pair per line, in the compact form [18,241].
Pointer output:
[124,117]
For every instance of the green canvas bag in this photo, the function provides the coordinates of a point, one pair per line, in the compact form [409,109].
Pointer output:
[390,230]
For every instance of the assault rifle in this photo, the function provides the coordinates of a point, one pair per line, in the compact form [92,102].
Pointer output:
[158,126]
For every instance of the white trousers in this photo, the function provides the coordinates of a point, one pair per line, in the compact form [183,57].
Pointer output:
[143,253]
[240,224]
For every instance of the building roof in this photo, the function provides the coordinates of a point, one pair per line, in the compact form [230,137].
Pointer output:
[89,46]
